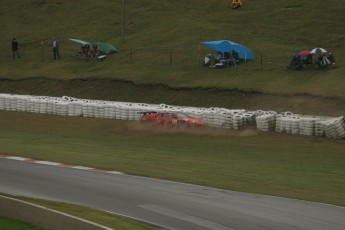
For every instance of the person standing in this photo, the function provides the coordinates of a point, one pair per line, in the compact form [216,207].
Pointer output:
[15,48]
[55,44]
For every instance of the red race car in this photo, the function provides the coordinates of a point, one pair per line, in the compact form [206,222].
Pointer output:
[171,119]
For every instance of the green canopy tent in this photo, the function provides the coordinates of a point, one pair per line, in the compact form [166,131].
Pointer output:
[83,43]
[102,47]
[106,48]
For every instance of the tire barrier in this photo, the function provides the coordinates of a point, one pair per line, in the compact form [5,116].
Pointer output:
[335,128]
[264,121]
[295,125]
[307,126]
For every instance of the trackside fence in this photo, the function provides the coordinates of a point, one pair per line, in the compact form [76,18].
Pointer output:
[234,119]
[188,55]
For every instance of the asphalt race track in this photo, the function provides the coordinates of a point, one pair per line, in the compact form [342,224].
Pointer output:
[168,204]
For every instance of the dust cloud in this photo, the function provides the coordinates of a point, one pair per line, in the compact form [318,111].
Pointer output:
[139,129]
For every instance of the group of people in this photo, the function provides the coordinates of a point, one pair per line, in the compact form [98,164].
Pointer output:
[55,45]
[301,62]
[87,52]
[221,60]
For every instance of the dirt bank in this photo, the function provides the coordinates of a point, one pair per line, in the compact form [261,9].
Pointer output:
[116,90]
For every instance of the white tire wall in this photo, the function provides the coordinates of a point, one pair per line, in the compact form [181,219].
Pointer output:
[295,124]
[249,119]
[335,128]
[307,126]
[238,121]
[214,117]
[266,122]
[2,101]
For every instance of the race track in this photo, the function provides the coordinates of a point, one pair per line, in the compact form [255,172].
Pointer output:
[168,204]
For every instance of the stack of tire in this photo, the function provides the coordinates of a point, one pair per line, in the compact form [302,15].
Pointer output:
[283,122]
[265,121]
[2,101]
[237,121]
[307,126]
[208,117]
[213,117]
[280,123]
[249,119]
[226,119]
[335,128]
[295,124]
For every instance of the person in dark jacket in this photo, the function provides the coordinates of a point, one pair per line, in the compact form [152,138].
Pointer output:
[56,44]
[15,48]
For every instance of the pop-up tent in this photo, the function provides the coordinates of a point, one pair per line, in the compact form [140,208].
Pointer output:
[228,46]
[105,47]
[102,47]
[81,42]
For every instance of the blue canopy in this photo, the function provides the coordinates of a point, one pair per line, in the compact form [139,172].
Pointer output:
[228,46]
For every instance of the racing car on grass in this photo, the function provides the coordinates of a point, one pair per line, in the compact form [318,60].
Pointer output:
[171,119]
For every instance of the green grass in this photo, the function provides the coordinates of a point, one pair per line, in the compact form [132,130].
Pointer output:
[274,28]
[93,215]
[8,223]
[300,167]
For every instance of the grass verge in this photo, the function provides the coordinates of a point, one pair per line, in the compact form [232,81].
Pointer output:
[8,223]
[93,215]
[310,168]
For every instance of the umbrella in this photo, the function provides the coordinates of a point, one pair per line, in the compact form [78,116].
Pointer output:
[318,50]
[304,53]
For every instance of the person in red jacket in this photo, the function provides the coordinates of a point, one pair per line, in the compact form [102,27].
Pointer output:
[94,52]
[87,51]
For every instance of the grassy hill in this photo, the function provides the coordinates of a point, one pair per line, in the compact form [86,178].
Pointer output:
[162,41]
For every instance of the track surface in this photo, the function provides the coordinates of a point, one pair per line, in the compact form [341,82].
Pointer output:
[169,204]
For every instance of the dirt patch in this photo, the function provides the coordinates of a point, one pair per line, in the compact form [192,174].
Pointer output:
[120,90]
[138,129]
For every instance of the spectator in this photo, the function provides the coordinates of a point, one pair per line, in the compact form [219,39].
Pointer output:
[309,60]
[236,4]
[87,51]
[55,44]
[94,51]
[218,56]
[15,48]
[82,51]
[331,58]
